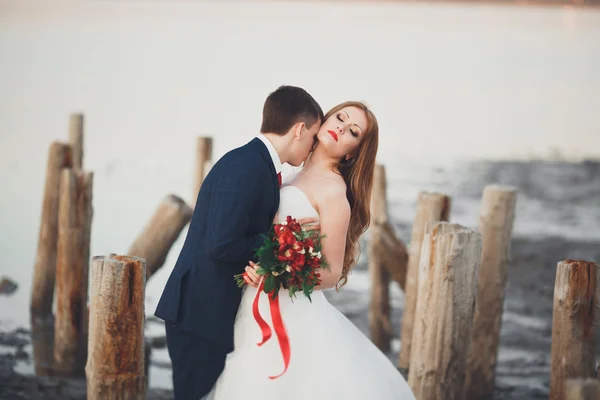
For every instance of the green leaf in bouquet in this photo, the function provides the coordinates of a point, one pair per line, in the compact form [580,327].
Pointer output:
[268,255]
[269,283]
[292,291]
[307,290]
[276,290]
[323,264]
[261,271]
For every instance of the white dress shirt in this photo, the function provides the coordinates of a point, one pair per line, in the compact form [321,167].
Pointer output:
[272,152]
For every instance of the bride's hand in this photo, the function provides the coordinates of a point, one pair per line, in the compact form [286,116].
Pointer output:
[309,224]
[252,279]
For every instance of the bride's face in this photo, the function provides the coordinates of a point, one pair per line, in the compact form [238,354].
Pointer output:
[342,132]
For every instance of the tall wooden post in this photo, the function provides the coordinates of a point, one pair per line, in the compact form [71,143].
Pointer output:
[444,311]
[204,147]
[431,207]
[574,323]
[76,139]
[115,363]
[42,291]
[163,229]
[380,329]
[42,344]
[74,230]
[495,224]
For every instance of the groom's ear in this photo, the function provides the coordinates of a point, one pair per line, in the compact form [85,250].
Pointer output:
[298,130]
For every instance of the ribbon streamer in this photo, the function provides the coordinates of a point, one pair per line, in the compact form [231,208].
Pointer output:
[278,325]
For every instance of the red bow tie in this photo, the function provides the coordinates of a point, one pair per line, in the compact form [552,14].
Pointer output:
[279,178]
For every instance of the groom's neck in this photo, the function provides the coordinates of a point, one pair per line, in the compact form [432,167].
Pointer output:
[281,144]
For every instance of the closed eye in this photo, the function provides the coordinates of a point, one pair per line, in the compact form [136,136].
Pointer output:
[353,132]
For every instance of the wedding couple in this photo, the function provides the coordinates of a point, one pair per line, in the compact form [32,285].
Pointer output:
[212,335]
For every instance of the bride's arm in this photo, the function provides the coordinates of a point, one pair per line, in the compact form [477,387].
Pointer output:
[334,212]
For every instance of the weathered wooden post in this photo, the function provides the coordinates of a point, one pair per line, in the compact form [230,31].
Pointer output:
[204,147]
[393,255]
[76,139]
[444,311]
[574,323]
[115,363]
[42,343]
[42,290]
[72,264]
[431,207]
[159,234]
[495,225]
[380,330]
[582,389]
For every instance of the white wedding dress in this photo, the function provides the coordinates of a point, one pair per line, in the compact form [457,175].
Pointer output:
[330,357]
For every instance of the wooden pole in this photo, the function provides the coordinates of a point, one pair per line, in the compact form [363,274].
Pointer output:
[115,363]
[444,311]
[76,139]
[204,147]
[393,255]
[159,234]
[574,323]
[42,291]
[431,207]
[495,224]
[42,343]
[582,389]
[73,253]
[380,329]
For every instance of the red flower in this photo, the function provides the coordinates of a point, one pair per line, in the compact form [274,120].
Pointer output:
[293,224]
[308,242]
[298,261]
[313,262]
[297,247]
[286,237]
[286,255]
[277,228]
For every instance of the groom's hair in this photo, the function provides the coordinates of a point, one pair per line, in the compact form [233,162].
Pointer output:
[287,106]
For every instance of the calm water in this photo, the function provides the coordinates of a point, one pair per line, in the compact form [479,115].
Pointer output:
[448,83]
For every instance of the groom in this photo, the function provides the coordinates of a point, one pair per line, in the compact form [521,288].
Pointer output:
[236,204]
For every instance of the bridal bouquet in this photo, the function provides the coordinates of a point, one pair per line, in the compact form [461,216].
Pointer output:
[289,258]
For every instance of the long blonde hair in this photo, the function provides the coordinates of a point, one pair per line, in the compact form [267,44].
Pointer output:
[358,175]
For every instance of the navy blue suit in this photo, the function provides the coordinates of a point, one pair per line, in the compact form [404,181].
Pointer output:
[236,204]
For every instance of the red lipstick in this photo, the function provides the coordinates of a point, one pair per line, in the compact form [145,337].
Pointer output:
[333,135]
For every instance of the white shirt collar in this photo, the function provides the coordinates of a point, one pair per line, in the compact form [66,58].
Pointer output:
[272,152]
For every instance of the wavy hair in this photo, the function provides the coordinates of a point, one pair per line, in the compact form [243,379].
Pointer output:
[358,175]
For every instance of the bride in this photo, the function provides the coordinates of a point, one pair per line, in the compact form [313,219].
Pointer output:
[330,357]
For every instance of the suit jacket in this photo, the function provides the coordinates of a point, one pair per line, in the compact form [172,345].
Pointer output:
[236,204]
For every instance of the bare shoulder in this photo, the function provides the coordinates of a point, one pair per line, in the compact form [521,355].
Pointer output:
[330,193]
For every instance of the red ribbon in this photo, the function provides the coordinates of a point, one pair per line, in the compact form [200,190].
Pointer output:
[264,327]
[280,331]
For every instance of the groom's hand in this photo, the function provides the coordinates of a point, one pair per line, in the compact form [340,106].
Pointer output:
[309,224]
